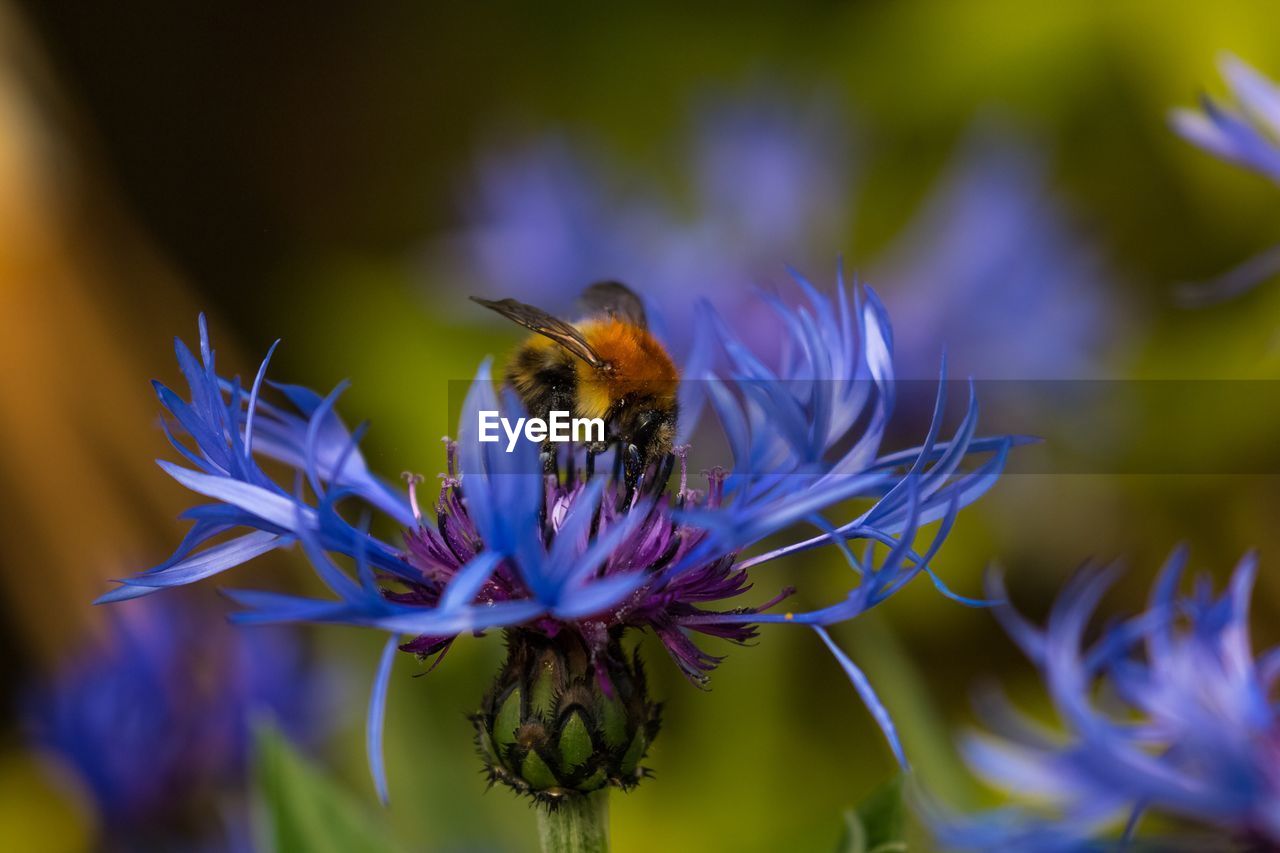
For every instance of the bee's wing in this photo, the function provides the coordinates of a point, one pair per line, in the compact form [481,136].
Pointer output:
[615,299]
[539,321]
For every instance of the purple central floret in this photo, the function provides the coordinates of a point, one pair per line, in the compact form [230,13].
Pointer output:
[511,547]
[656,542]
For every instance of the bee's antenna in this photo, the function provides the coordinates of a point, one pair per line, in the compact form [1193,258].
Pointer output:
[617,462]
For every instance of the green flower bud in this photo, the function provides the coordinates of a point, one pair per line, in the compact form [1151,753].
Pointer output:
[546,728]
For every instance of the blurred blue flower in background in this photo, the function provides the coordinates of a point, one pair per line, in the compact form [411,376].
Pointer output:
[769,180]
[992,267]
[153,723]
[1168,712]
[570,554]
[1247,133]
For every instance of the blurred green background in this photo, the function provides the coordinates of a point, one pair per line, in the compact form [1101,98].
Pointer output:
[288,172]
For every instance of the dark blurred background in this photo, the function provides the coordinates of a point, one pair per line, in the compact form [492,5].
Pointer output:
[322,176]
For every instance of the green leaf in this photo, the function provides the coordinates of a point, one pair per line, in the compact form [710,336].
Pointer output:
[537,772]
[854,838]
[575,742]
[547,679]
[297,807]
[635,752]
[613,722]
[506,723]
[878,824]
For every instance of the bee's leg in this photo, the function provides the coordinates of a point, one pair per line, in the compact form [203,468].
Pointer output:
[548,457]
[591,463]
[663,473]
[633,469]
[571,463]
[617,461]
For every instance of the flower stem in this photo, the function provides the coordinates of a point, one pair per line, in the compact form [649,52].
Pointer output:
[578,825]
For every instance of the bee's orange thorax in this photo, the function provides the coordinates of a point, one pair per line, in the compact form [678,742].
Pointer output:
[638,367]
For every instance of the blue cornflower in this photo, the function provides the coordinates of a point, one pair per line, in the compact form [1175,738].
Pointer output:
[990,232]
[1168,712]
[1247,133]
[767,179]
[153,721]
[566,562]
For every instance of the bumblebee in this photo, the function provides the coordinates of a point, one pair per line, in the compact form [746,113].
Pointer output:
[606,365]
